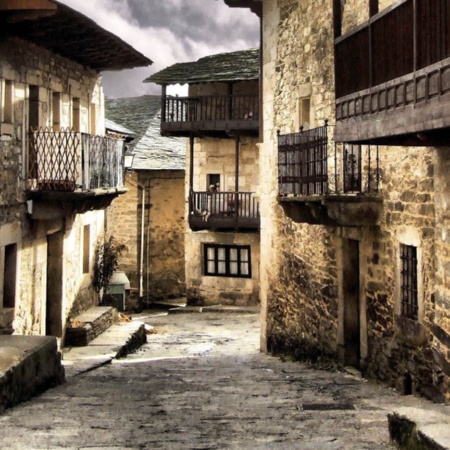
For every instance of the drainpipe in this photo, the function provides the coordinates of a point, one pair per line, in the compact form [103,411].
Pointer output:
[141,262]
[237,143]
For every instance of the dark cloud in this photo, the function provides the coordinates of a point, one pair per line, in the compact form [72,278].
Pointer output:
[168,32]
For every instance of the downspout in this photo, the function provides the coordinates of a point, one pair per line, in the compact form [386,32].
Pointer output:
[141,262]
[236,181]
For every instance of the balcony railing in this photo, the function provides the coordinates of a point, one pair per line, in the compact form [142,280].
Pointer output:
[409,36]
[224,210]
[71,161]
[213,113]
[306,167]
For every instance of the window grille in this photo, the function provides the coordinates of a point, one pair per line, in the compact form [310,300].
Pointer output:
[227,260]
[409,293]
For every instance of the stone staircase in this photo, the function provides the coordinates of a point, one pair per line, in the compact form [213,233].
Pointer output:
[87,326]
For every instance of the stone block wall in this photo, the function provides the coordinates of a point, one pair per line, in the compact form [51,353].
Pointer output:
[212,290]
[23,67]
[218,156]
[163,259]
[303,266]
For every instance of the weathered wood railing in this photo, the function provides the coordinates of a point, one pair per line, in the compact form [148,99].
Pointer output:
[224,210]
[404,38]
[306,166]
[210,108]
[66,160]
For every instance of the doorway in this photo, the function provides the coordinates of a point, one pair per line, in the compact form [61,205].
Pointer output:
[351,303]
[53,317]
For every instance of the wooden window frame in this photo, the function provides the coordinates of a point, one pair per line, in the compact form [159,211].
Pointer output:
[227,260]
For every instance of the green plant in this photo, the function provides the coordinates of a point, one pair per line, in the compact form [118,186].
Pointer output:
[106,261]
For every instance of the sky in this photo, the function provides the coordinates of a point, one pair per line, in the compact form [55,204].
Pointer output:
[168,32]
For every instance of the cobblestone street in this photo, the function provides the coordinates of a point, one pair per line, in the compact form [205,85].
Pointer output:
[201,383]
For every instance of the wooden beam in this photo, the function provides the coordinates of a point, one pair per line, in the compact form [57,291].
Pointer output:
[373,7]
[17,5]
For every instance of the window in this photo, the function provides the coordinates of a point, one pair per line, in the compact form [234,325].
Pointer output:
[227,260]
[86,248]
[76,114]
[213,179]
[33,107]
[408,288]
[9,276]
[304,110]
[56,111]
[8,102]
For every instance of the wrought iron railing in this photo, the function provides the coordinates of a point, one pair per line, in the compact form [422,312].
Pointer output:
[306,166]
[67,160]
[210,108]
[224,204]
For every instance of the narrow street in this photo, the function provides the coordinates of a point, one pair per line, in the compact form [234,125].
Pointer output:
[201,383]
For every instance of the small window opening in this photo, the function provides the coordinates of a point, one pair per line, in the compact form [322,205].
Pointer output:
[9,276]
[409,292]
[305,113]
[213,182]
[8,116]
[56,111]
[76,114]
[33,107]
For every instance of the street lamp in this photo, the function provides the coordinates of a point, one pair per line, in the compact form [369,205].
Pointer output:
[128,158]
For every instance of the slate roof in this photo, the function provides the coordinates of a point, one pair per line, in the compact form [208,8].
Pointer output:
[142,115]
[115,127]
[242,65]
[71,34]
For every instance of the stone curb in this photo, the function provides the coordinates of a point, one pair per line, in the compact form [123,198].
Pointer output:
[216,309]
[116,342]
[415,428]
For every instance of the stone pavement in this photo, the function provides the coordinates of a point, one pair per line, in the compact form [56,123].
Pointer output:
[201,383]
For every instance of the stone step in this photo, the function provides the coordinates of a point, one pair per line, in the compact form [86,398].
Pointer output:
[28,365]
[87,326]
[116,342]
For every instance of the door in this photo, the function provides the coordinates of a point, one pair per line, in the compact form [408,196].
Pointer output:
[351,317]
[54,319]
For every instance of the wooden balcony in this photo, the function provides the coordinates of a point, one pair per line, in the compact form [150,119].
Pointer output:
[72,172]
[393,77]
[319,186]
[216,116]
[224,211]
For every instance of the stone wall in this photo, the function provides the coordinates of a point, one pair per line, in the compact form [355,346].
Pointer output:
[24,67]
[218,156]
[304,267]
[163,259]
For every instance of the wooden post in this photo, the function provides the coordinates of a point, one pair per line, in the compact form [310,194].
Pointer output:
[191,171]
[337,18]
[163,102]
[373,7]
[236,182]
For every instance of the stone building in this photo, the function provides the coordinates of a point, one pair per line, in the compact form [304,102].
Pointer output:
[354,211]
[58,172]
[220,116]
[154,235]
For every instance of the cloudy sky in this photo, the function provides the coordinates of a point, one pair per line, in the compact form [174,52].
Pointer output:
[167,32]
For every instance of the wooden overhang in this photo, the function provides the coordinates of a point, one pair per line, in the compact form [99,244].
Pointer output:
[68,33]
[208,115]
[45,205]
[393,76]
[334,210]
[254,5]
